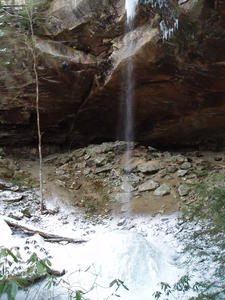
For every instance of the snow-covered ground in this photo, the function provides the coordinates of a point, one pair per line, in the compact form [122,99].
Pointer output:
[140,251]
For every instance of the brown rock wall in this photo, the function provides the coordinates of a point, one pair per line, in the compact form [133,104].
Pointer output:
[82,54]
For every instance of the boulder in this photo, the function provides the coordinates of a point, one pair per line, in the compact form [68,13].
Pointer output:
[182,173]
[186,166]
[150,167]
[149,185]
[183,190]
[9,196]
[163,190]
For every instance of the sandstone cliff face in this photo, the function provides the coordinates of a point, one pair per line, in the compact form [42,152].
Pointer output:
[83,52]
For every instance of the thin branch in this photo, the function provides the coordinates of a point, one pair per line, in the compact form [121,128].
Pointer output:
[29,13]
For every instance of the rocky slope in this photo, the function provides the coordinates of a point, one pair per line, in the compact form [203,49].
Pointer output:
[82,51]
[93,179]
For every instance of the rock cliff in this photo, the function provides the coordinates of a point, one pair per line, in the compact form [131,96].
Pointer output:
[82,49]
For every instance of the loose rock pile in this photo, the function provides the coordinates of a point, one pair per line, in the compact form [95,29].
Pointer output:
[94,176]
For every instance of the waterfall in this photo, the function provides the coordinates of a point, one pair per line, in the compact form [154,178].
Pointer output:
[130,6]
[129,79]
[167,28]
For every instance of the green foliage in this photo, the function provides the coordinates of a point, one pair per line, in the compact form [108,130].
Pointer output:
[17,274]
[7,285]
[15,25]
[36,11]
[118,283]
[95,201]
[211,200]
[203,290]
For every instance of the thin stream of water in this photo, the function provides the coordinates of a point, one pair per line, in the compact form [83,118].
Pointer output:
[130,6]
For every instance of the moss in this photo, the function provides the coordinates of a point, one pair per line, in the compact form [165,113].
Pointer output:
[24,180]
[209,200]
[95,201]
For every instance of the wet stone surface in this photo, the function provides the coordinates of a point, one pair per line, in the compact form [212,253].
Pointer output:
[163,190]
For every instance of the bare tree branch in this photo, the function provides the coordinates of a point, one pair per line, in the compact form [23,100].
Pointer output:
[29,11]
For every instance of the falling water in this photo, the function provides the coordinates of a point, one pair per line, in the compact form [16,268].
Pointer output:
[130,7]
[168,26]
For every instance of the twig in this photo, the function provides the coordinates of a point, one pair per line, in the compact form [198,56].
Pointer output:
[33,52]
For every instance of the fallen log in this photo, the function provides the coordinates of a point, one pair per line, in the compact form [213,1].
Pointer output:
[30,279]
[48,237]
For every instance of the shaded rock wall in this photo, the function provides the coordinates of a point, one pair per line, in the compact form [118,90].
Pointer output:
[82,54]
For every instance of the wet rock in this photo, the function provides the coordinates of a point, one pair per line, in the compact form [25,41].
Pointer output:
[14,188]
[87,171]
[198,154]
[94,150]
[53,211]
[132,165]
[151,149]
[75,185]
[200,167]
[172,169]
[60,183]
[218,158]
[163,190]
[90,163]
[149,185]
[123,197]
[104,169]
[182,173]
[127,187]
[191,176]
[60,172]
[87,156]
[17,215]
[163,173]
[186,165]
[134,179]
[121,222]
[5,185]
[179,159]
[51,158]
[183,190]
[168,177]
[150,167]
[2,153]
[100,160]
[78,153]
[64,159]
[9,196]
